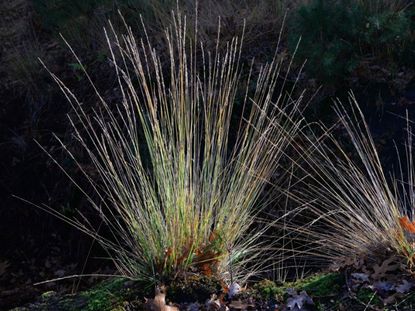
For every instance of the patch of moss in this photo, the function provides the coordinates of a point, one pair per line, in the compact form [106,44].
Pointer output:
[321,285]
[267,289]
[104,296]
[48,295]
[323,288]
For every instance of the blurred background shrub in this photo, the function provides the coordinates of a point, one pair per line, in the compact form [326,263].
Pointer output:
[338,36]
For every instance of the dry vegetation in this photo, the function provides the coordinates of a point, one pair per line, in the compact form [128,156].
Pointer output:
[186,199]
[355,208]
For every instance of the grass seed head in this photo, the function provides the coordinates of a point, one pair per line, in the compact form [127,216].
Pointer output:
[171,184]
[352,205]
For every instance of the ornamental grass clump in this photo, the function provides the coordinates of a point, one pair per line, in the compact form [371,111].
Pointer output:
[356,211]
[180,190]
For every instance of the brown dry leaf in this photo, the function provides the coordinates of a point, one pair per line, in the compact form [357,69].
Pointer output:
[212,236]
[206,269]
[185,253]
[404,287]
[207,262]
[159,302]
[406,224]
[355,262]
[388,265]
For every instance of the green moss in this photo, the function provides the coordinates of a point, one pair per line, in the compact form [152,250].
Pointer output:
[104,296]
[110,295]
[267,289]
[319,285]
[323,285]
[48,295]
[323,288]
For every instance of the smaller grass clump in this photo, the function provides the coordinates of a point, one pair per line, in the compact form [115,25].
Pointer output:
[359,215]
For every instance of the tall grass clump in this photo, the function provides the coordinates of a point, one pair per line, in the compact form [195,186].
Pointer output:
[175,180]
[353,207]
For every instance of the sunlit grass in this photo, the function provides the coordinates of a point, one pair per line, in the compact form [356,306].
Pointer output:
[353,207]
[176,189]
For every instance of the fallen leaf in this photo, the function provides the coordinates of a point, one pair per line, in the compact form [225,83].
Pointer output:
[298,301]
[383,287]
[405,287]
[362,277]
[387,265]
[159,301]
[407,224]
[390,299]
